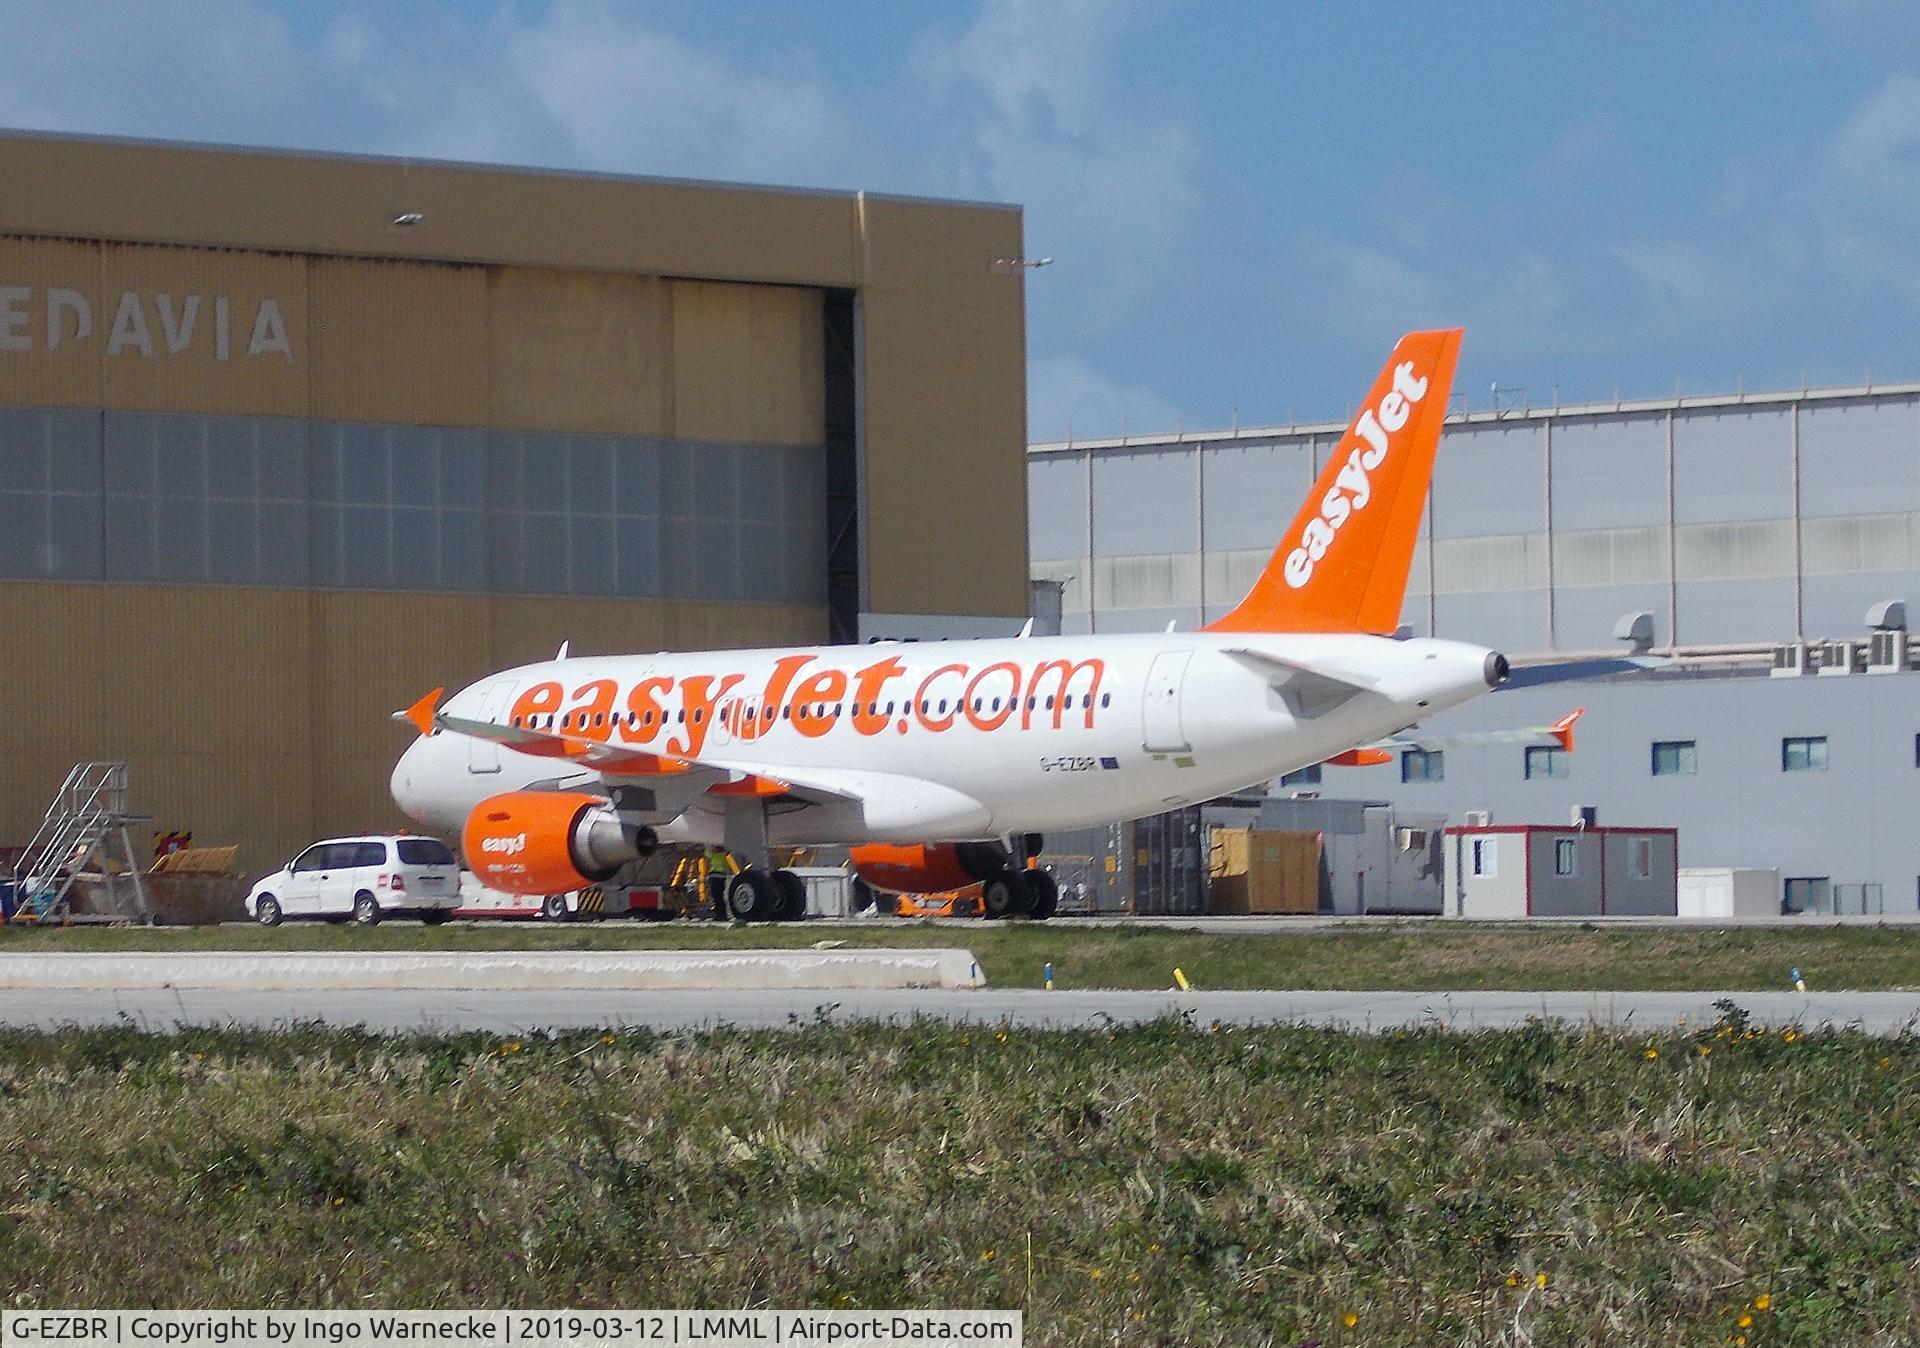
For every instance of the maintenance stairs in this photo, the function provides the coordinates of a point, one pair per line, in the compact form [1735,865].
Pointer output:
[86,823]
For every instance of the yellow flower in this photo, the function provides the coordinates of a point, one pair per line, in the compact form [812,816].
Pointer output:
[1740,1341]
[1886,1062]
[1349,1319]
[1513,1280]
[1002,1036]
[1153,1249]
[1539,1280]
[606,1039]
[337,1200]
[1705,1050]
[1096,1273]
[1762,1302]
[986,1256]
[1652,1053]
[1744,1321]
[1790,1035]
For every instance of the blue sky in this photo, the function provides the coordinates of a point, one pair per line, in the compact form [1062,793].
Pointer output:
[1246,203]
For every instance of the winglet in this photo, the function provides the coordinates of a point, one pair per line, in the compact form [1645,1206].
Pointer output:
[1562,729]
[1361,758]
[420,714]
[1342,564]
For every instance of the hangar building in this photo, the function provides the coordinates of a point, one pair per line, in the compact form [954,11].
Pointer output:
[288,439]
[1741,524]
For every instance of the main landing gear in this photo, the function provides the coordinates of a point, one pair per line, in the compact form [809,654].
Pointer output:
[757,895]
[1020,889]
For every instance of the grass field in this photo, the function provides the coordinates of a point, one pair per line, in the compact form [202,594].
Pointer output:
[1393,956]
[1165,1185]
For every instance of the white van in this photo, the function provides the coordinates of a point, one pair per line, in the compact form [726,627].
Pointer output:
[362,878]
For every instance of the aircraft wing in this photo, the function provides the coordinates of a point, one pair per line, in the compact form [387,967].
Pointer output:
[1560,734]
[619,762]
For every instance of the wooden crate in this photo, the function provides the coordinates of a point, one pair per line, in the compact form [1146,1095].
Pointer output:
[1283,871]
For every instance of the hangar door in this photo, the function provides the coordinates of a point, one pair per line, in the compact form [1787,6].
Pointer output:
[1161,731]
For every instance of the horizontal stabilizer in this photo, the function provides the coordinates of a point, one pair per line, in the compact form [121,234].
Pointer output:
[1568,671]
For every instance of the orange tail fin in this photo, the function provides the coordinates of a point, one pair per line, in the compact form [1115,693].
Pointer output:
[1342,564]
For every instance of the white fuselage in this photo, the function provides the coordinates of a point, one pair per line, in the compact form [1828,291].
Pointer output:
[947,741]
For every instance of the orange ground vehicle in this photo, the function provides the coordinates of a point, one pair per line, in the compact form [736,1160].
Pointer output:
[953,903]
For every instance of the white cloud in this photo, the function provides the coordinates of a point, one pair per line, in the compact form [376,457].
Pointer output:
[1068,398]
[633,98]
[1029,105]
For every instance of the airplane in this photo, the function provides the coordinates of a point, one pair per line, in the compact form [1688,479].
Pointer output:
[943,764]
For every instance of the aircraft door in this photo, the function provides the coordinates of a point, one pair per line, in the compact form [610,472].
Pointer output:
[483,755]
[1161,730]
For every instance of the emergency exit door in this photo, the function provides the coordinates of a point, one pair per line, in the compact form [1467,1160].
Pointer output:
[483,755]
[1161,731]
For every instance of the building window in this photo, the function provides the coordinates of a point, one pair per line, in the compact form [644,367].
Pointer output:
[1546,761]
[1423,765]
[1643,858]
[1674,758]
[1806,894]
[1307,776]
[1563,856]
[1804,754]
[1486,857]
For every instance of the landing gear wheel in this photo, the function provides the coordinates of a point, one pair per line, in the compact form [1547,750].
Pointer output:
[753,896]
[267,911]
[553,908]
[793,892]
[1046,895]
[1005,894]
[366,910]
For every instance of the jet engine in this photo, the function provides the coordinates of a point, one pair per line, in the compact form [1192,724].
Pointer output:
[549,842]
[928,868]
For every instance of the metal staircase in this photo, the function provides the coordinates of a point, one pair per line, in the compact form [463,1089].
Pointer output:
[82,826]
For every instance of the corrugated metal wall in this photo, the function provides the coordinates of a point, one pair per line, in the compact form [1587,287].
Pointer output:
[1737,523]
[260,716]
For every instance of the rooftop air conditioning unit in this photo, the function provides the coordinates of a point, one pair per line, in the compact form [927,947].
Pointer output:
[1842,657]
[1793,658]
[1887,652]
[1477,818]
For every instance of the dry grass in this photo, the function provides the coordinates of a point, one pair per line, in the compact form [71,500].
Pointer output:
[1178,1184]
[1418,955]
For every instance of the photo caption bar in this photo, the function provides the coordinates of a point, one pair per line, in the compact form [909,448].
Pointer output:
[505,1329]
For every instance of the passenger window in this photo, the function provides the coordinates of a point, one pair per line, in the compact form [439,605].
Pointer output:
[313,859]
[889,708]
[370,854]
[1106,699]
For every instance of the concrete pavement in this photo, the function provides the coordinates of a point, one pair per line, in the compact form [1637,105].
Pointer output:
[521,1012]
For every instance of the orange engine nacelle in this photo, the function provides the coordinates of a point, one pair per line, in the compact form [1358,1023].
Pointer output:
[548,842]
[926,868]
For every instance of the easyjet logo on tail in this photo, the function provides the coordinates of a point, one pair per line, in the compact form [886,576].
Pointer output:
[1352,489]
